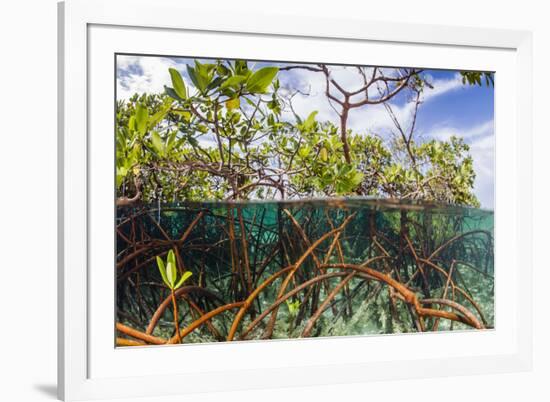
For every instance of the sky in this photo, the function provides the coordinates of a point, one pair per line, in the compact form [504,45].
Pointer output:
[450,108]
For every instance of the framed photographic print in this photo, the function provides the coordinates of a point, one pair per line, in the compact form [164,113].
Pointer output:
[237,197]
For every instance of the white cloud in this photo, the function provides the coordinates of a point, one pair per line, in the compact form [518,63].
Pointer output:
[443,132]
[443,86]
[312,96]
[142,74]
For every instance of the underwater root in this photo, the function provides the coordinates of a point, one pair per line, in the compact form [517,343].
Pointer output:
[462,314]
[294,264]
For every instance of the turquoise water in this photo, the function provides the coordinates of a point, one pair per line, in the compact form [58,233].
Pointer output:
[351,268]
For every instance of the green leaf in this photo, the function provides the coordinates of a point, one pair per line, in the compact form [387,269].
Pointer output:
[141,116]
[171,269]
[192,141]
[236,118]
[172,257]
[304,151]
[233,82]
[233,104]
[214,83]
[121,173]
[186,275]
[293,307]
[222,70]
[356,178]
[261,79]
[323,154]
[158,116]
[171,141]
[177,82]
[132,123]
[171,274]
[183,114]
[241,67]
[172,93]
[310,121]
[162,270]
[157,143]
[199,76]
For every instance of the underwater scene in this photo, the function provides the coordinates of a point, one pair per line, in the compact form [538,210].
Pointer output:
[261,200]
[278,270]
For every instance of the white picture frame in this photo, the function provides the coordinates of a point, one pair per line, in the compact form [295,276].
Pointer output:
[91,31]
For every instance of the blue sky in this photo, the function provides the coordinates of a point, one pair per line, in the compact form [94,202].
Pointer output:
[450,108]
